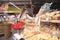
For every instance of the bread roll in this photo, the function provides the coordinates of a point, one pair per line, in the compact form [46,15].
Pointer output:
[54,38]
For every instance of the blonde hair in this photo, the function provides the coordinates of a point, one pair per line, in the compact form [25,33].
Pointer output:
[24,9]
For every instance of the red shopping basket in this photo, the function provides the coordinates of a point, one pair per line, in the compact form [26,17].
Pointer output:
[18,26]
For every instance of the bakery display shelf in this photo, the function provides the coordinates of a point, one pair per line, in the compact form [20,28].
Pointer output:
[52,21]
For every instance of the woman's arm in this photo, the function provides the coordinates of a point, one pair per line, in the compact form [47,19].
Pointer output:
[29,17]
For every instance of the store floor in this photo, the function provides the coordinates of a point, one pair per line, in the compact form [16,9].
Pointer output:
[3,38]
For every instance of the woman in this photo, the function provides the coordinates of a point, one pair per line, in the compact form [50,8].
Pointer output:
[25,18]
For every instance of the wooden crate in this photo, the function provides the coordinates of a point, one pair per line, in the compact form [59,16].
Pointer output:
[5,29]
[1,28]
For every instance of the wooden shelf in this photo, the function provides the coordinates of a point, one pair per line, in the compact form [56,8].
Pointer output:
[52,21]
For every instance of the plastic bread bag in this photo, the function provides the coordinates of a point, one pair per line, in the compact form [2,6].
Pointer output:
[44,8]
